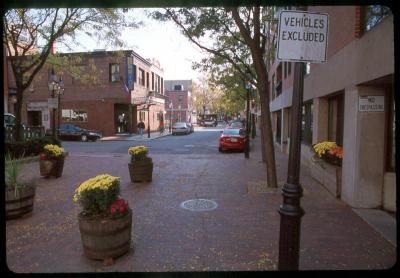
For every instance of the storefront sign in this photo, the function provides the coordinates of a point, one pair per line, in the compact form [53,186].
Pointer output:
[371,103]
[52,103]
[302,36]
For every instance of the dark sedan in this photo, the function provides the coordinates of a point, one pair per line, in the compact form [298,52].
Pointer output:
[73,132]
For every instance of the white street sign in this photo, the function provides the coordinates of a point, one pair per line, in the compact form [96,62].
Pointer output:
[303,36]
[52,103]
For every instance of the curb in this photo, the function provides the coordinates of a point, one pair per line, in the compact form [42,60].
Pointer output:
[30,159]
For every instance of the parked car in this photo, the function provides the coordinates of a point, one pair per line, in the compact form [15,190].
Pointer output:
[209,122]
[70,131]
[180,128]
[236,124]
[191,127]
[9,119]
[232,139]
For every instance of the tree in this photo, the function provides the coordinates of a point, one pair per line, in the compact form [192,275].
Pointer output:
[239,37]
[29,35]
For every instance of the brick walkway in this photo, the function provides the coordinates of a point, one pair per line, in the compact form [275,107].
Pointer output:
[242,233]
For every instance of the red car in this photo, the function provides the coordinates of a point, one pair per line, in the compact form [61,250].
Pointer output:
[232,139]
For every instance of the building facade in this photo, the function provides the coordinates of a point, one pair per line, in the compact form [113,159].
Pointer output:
[359,69]
[180,101]
[111,94]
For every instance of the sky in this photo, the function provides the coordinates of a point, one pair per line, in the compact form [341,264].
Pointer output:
[160,40]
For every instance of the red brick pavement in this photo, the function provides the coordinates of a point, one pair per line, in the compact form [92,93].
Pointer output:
[241,234]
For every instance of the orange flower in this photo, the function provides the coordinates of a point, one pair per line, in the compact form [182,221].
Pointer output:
[337,151]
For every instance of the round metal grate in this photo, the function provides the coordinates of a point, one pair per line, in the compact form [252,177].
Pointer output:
[199,205]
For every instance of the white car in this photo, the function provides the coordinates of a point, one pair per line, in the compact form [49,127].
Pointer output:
[210,122]
[180,128]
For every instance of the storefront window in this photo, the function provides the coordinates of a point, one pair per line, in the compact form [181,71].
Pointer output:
[74,115]
[336,119]
[307,123]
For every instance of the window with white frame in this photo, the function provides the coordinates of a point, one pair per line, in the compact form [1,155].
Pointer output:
[114,73]
[74,115]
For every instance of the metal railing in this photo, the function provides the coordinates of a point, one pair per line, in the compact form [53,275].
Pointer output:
[29,132]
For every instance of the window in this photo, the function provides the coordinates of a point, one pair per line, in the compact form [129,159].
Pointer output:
[391,140]
[307,123]
[178,87]
[335,119]
[141,77]
[289,68]
[148,79]
[374,14]
[278,126]
[74,115]
[142,115]
[114,73]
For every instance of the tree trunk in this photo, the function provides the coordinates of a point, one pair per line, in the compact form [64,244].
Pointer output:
[268,141]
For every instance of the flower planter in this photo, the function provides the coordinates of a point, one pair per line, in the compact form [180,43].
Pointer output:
[104,238]
[141,170]
[52,167]
[19,202]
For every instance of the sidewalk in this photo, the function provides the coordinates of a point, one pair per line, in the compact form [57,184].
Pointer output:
[135,137]
[240,234]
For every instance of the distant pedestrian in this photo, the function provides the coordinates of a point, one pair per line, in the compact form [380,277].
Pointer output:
[161,128]
[141,126]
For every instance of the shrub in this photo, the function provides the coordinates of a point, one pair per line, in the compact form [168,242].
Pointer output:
[138,152]
[30,147]
[96,195]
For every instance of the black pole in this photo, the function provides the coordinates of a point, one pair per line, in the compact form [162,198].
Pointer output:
[58,116]
[253,126]
[170,120]
[148,122]
[247,146]
[53,124]
[290,211]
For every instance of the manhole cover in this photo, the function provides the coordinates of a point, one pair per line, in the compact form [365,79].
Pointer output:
[199,205]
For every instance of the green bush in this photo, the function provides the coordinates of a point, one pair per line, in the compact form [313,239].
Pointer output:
[30,147]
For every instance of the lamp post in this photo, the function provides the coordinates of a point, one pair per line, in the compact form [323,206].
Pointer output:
[56,86]
[253,122]
[149,103]
[170,116]
[248,87]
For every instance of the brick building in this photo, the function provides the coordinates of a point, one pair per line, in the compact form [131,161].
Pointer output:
[117,95]
[360,64]
[179,106]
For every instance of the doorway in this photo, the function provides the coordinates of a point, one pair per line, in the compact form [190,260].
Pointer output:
[34,118]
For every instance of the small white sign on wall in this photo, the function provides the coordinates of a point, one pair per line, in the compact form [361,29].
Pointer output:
[371,103]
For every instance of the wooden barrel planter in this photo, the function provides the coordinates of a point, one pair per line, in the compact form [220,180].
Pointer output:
[104,238]
[141,170]
[20,202]
[52,167]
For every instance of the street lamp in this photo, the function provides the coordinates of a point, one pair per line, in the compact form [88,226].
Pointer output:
[56,86]
[149,101]
[170,116]
[248,88]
